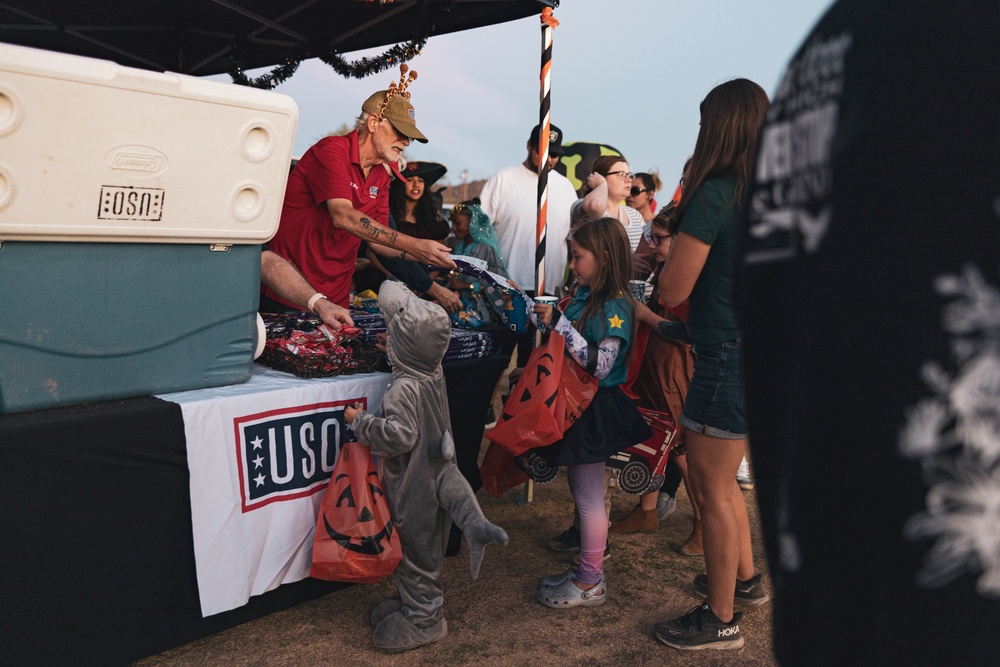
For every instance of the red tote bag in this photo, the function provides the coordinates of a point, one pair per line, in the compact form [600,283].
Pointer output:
[499,472]
[355,538]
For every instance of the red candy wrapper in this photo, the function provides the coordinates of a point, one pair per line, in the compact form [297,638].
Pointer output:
[299,343]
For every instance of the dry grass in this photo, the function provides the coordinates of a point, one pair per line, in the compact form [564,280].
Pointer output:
[496,620]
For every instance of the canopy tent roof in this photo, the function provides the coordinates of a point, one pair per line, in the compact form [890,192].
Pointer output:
[202,37]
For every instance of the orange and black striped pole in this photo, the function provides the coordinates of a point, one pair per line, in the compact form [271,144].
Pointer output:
[545,121]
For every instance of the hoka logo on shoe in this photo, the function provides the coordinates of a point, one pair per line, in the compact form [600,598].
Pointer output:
[729,632]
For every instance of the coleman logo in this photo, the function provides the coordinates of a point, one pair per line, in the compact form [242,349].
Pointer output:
[729,632]
[134,162]
[145,160]
[130,203]
[289,453]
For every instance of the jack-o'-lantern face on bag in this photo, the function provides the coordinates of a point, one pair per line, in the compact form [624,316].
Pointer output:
[355,538]
[542,384]
[359,520]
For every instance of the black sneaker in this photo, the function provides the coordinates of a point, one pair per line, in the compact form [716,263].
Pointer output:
[700,629]
[749,593]
[607,554]
[568,540]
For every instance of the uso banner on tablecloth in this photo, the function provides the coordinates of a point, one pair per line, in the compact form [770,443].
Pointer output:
[260,454]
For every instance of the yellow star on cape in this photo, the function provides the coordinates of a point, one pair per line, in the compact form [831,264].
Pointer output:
[616,322]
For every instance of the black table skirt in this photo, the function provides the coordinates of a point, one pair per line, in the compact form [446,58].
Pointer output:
[97,560]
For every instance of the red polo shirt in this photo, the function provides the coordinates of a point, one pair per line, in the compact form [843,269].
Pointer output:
[307,237]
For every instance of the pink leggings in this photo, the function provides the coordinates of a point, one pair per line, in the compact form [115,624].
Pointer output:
[587,484]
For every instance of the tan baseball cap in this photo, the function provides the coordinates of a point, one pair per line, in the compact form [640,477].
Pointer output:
[399,112]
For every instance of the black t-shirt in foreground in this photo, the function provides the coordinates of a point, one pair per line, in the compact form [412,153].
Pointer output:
[868,290]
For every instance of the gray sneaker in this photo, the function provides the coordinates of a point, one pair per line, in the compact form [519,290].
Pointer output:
[749,593]
[666,505]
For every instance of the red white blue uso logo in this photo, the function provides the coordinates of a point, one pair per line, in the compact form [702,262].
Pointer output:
[289,453]
[373,191]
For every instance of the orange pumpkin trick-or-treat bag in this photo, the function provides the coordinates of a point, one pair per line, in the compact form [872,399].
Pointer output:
[551,394]
[355,538]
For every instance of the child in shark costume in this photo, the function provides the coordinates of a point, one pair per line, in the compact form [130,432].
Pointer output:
[422,482]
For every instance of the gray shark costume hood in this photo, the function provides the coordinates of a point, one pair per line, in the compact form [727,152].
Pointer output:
[424,488]
[405,315]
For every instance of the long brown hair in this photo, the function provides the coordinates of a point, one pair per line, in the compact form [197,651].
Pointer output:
[732,115]
[606,238]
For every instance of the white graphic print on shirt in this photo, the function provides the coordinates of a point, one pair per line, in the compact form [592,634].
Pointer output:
[790,208]
[956,437]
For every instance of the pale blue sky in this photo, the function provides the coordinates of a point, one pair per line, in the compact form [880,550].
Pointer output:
[635,86]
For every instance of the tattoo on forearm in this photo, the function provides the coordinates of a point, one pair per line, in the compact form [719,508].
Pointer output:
[370,229]
[376,233]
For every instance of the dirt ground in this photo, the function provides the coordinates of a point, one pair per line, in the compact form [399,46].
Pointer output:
[496,620]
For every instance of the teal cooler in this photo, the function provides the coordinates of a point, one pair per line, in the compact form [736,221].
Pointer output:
[95,321]
[133,206]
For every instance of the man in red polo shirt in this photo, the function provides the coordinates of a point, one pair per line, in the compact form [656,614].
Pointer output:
[338,196]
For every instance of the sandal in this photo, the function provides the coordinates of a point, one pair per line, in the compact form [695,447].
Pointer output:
[693,546]
[568,595]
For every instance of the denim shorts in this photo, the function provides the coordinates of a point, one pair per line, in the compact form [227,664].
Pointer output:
[714,405]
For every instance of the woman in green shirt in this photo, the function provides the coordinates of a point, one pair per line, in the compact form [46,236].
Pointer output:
[700,268]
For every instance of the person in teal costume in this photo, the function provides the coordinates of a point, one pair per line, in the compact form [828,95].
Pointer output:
[477,238]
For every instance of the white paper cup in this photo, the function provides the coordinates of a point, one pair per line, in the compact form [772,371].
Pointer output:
[548,301]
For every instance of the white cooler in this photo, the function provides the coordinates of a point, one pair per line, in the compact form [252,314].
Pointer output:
[132,209]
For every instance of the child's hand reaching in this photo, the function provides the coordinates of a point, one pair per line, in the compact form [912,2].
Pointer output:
[543,314]
[645,315]
[351,411]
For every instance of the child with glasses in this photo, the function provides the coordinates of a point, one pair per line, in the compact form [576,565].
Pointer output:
[662,384]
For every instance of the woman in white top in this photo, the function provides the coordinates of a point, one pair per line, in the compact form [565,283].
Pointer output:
[609,185]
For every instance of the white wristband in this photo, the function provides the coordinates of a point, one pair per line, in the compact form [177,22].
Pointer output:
[312,301]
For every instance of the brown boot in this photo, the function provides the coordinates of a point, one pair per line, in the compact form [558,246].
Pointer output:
[693,546]
[637,521]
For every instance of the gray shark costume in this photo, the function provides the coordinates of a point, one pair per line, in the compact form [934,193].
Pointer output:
[422,482]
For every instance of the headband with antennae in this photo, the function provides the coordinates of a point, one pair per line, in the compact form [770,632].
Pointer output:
[398,89]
